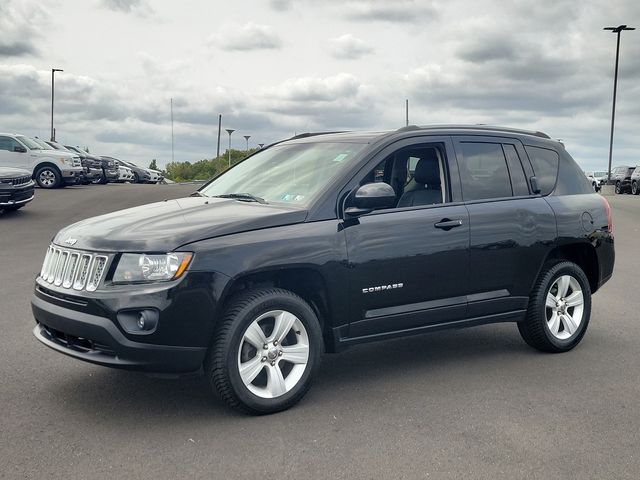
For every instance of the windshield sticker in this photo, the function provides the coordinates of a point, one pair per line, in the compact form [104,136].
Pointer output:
[340,157]
[292,197]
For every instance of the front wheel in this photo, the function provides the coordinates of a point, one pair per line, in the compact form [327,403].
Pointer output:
[559,309]
[265,351]
[634,188]
[618,190]
[48,177]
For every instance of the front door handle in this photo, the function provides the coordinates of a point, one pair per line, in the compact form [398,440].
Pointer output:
[447,224]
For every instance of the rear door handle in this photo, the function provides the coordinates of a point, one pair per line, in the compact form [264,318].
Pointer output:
[446,224]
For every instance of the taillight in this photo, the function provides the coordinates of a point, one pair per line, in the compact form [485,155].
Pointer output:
[607,208]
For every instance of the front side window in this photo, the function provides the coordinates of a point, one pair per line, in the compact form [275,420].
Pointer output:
[291,173]
[483,171]
[8,143]
[30,143]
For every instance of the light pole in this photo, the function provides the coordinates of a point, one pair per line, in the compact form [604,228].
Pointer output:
[172,157]
[53,71]
[229,131]
[247,137]
[617,30]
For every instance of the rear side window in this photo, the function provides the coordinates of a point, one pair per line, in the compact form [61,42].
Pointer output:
[483,171]
[545,166]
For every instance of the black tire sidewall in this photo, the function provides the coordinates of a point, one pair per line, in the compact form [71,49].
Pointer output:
[618,188]
[564,268]
[245,317]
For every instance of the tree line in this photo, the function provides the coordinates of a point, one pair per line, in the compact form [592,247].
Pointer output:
[202,169]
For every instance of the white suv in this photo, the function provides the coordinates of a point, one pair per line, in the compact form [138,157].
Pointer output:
[49,168]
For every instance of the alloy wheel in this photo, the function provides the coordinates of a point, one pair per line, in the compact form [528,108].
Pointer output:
[564,307]
[273,354]
[47,178]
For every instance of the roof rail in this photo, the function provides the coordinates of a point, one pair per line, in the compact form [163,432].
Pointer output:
[408,128]
[313,134]
[482,126]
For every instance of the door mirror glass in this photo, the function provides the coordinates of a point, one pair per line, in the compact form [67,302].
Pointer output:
[19,149]
[369,197]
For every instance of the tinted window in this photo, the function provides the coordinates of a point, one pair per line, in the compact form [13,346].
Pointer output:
[8,143]
[483,171]
[571,180]
[545,166]
[518,178]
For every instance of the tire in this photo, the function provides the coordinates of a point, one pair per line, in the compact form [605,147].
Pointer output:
[136,178]
[48,177]
[262,388]
[634,188]
[618,191]
[546,330]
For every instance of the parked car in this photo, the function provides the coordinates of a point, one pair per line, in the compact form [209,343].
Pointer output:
[140,175]
[156,176]
[297,250]
[92,170]
[125,174]
[50,168]
[635,181]
[108,168]
[16,188]
[597,179]
[621,178]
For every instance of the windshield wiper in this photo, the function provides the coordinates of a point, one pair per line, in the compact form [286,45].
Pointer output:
[243,197]
[197,194]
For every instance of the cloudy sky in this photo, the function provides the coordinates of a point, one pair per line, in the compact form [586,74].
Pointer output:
[276,67]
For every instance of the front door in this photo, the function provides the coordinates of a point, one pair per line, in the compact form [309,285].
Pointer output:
[11,158]
[409,264]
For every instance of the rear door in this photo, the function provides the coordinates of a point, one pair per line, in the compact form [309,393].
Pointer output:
[511,230]
[408,267]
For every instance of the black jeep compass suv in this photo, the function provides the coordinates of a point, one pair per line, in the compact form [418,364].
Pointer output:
[328,240]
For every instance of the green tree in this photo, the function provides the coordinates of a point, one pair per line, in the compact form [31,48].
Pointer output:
[204,169]
[153,165]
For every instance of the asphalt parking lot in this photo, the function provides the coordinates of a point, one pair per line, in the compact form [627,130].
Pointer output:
[475,403]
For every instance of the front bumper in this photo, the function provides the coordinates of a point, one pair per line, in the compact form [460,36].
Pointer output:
[11,196]
[111,175]
[86,325]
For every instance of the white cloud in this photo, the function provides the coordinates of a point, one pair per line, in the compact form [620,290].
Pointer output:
[349,47]
[247,37]
[20,27]
[138,7]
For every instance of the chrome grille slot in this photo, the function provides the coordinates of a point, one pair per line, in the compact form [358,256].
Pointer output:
[62,262]
[72,265]
[97,269]
[83,272]
[73,268]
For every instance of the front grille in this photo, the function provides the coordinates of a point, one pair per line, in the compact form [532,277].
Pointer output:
[80,344]
[74,269]
[17,181]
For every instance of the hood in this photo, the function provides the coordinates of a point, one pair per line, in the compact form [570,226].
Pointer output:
[10,172]
[56,153]
[165,226]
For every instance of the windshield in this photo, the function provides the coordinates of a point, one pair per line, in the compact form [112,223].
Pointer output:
[31,143]
[43,145]
[599,174]
[287,173]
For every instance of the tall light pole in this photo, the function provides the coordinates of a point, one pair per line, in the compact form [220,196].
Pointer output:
[53,71]
[219,127]
[617,30]
[172,158]
[229,131]
[247,137]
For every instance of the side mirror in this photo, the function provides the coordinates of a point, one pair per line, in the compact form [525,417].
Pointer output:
[535,188]
[369,197]
[19,149]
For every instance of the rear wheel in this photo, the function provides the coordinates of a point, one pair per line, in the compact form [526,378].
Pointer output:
[265,351]
[634,188]
[618,187]
[559,309]
[48,177]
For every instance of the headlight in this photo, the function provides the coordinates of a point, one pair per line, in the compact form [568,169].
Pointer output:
[65,161]
[140,267]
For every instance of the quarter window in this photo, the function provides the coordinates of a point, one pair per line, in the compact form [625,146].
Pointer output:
[545,166]
[518,178]
[483,171]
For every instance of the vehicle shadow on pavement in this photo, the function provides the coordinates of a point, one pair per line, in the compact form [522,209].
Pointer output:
[368,368]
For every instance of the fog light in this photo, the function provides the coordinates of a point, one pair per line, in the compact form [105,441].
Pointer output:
[139,321]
